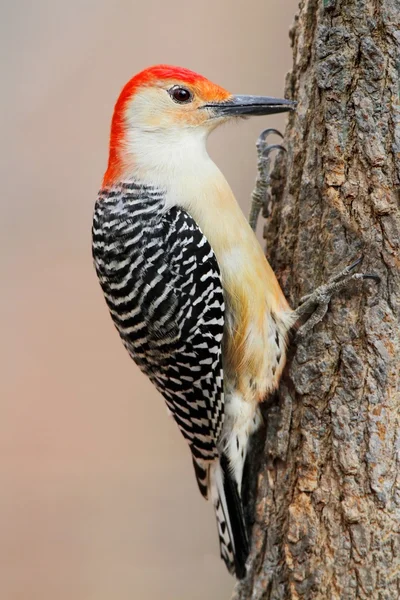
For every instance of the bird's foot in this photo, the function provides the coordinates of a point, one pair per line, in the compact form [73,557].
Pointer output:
[259,196]
[316,303]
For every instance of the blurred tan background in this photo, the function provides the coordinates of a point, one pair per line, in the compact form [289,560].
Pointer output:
[97,496]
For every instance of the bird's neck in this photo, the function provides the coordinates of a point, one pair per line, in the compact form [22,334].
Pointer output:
[160,157]
[177,162]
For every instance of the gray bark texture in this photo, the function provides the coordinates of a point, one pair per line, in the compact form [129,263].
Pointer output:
[327,510]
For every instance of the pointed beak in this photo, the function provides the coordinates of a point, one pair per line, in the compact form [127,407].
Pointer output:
[246,106]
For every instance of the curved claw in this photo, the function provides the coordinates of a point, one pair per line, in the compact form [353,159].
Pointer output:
[269,149]
[355,263]
[364,275]
[264,134]
[372,276]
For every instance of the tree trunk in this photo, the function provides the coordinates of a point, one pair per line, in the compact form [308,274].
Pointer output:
[327,514]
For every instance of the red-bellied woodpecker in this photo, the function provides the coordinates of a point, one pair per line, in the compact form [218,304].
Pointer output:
[190,291]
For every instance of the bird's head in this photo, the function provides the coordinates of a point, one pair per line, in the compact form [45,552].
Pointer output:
[169,104]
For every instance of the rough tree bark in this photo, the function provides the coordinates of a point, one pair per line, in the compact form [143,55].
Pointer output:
[327,514]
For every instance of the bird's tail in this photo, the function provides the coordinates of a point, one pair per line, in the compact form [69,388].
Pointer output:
[233,540]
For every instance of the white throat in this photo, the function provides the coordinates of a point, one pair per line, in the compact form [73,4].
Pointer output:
[176,160]
[162,156]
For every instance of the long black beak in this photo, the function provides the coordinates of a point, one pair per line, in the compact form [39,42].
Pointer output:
[237,106]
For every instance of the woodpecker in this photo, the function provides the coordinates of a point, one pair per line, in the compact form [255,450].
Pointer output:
[189,289]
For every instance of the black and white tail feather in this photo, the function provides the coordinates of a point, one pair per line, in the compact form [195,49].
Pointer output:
[217,480]
[233,539]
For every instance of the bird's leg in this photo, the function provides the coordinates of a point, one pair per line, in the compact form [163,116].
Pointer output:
[259,195]
[317,302]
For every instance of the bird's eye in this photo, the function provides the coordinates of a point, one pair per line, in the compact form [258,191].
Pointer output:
[180,94]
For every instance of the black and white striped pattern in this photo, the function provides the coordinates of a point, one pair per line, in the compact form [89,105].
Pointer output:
[162,285]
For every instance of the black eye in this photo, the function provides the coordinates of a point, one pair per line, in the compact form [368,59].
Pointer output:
[180,94]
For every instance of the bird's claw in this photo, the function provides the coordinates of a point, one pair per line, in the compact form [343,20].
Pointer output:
[264,157]
[339,276]
[264,134]
[259,195]
[317,302]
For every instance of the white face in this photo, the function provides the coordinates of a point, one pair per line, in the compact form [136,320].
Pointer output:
[173,105]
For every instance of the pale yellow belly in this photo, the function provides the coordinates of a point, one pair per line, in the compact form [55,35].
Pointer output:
[255,337]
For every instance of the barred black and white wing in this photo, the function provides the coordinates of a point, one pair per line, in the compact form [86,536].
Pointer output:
[162,284]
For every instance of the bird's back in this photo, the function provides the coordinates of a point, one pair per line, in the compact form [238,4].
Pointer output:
[170,321]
